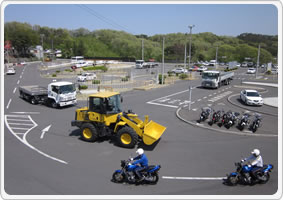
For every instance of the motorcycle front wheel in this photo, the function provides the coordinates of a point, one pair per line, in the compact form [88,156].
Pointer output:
[264,178]
[232,180]
[118,177]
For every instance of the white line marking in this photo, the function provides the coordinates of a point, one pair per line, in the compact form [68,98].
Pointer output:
[193,178]
[204,97]
[21,124]
[21,116]
[20,120]
[45,130]
[199,99]
[14,90]
[21,76]
[171,95]
[20,128]
[9,103]
[159,104]
[18,82]
[24,140]
[19,133]
[26,112]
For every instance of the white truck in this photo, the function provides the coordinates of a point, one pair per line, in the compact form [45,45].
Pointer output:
[57,94]
[214,79]
[140,64]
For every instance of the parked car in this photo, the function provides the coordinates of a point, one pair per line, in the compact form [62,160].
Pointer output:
[251,71]
[179,70]
[86,77]
[11,71]
[274,71]
[251,97]
[194,68]
[202,69]
[244,64]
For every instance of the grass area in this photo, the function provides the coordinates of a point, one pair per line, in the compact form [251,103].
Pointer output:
[103,68]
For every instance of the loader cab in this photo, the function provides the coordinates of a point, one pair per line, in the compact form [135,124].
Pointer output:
[105,103]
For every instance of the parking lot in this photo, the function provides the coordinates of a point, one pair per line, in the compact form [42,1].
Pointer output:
[46,155]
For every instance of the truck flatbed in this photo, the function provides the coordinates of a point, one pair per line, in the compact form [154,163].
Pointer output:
[34,90]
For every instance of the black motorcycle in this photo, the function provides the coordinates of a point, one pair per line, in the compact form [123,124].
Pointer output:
[230,118]
[244,172]
[205,112]
[256,122]
[244,122]
[216,117]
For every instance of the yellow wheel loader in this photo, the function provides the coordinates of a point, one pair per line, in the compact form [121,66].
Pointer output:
[104,117]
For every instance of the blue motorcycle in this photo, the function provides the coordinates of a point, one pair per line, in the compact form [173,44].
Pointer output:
[127,173]
[260,176]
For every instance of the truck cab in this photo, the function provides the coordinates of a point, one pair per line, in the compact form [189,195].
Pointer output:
[140,64]
[62,93]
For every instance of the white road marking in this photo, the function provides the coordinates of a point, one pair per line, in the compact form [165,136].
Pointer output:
[44,131]
[23,139]
[18,82]
[171,95]
[26,112]
[193,178]
[14,90]
[204,97]
[9,103]
[159,104]
[21,76]
[199,99]
[20,128]
[21,124]
[20,120]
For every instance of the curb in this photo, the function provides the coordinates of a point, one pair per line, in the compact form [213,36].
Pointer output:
[229,100]
[222,131]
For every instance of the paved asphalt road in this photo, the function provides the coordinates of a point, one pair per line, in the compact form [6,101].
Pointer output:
[58,162]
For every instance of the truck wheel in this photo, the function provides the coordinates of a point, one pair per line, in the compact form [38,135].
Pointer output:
[53,104]
[89,132]
[127,137]
[33,101]
[21,95]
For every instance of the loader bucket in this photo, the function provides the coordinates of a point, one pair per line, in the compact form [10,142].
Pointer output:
[152,132]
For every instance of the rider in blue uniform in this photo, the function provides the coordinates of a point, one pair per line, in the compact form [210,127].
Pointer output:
[142,162]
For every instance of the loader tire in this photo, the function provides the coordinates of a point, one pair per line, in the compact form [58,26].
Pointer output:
[89,132]
[127,137]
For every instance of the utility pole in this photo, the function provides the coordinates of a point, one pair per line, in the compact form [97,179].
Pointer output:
[162,80]
[185,58]
[257,64]
[190,87]
[142,51]
[216,57]
[191,27]
[42,35]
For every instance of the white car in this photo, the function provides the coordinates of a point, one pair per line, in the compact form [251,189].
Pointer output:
[202,69]
[251,71]
[86,77]
[179,70]
[251,97]
[11,71]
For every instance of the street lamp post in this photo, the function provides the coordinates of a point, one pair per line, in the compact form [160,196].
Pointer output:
[257,64]
[190,95]
[191,27]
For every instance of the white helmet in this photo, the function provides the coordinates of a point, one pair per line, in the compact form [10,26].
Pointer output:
[255,152]
[140,151]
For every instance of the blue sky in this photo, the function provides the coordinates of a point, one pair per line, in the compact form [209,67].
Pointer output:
[149,19]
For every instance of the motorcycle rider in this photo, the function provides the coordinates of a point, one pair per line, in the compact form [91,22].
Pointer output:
[256,163]
[141,161]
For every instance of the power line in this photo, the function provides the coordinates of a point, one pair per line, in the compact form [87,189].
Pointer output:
[102,18]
